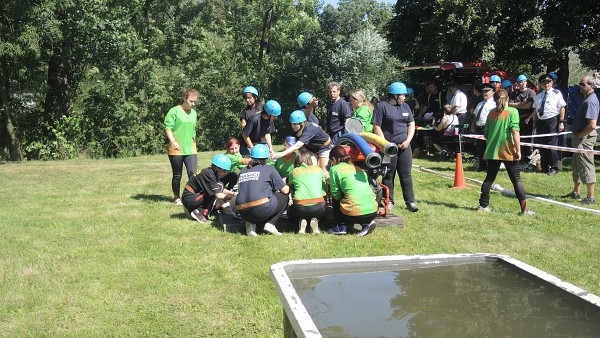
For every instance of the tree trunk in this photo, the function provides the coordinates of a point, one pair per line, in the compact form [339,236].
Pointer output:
[264,39]
[9,137]
[57,97]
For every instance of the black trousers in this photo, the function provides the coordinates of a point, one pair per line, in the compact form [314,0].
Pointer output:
[514,173]
[177,161]
[351,220]
[401,164]
[549,158]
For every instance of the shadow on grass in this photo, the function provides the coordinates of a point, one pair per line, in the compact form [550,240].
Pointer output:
[152,198]
[447,205]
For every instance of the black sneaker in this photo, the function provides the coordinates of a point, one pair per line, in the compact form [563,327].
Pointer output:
[573,195]
[588,200]
[412,207]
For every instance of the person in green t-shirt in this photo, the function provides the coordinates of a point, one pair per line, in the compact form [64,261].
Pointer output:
[180,127]
[362,109]
[232,151]
[501,131]
[285,164]
[307,184]
[353,197]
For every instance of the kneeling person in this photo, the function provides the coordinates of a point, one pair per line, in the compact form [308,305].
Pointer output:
[353,198]
[307,183]
[206,186]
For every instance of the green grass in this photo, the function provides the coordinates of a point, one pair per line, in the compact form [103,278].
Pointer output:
[96,248]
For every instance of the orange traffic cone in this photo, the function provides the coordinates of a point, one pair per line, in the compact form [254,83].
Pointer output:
[459,174]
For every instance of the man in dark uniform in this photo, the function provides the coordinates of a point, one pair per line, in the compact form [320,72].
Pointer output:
[522,99]
[338,111]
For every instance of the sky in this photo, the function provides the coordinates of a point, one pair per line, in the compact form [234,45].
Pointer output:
[334,2]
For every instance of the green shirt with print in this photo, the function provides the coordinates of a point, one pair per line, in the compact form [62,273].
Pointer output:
[307,182]
[350,185]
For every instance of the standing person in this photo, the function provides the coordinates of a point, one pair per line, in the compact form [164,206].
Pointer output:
[338,111]
[496,80]
[412,101]
[307,186]
[180,127]
[548,118]
[503,146]
[522,99]
[433,102]
[359,103]
[480,115]
[262,193]
[353,198]
[508,86]
[459,103]
[253,107]
[259,127]
[392,120]
[584,137]
[310,138]
[207,185]
[308,103]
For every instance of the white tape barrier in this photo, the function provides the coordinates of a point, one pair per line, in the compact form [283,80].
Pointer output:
[544,146]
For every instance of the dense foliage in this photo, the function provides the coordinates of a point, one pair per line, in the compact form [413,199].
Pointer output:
[95,78]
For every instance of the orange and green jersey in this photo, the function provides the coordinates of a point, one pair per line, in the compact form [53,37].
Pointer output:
[183,126]
[307,182]
[498,129]
[349,184]
[236,161]
[285,165]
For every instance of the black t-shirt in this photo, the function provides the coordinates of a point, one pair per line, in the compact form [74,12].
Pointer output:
[337,113]
[393,121]
[435,103]
[523,96]
[251,111]
[313,137]
[258,182]
[257,127]
[205,181]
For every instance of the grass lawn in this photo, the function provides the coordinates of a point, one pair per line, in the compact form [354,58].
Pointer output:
[96,248]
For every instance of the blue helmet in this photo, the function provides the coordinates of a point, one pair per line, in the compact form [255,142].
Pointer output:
[304,98]
[495,78]
[553,75]
[397,88]
[521,78]
[409,91]
[506,83]
[273,108]
[260,151]
[297,116]
[251,90]
[221,161]
[290,140]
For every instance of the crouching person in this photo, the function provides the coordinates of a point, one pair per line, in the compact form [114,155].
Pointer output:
[206,187]
[307,185]
[262,193]
[353,198]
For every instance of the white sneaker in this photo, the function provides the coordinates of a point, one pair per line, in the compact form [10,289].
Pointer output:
[178,201]
[251,229]
[270,228]
[314,225]
[302,226]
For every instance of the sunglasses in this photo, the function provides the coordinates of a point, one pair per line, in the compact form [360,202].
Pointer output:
[582,84]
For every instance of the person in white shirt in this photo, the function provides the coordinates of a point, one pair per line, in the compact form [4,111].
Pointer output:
[548,118]
[459,103]
[480,114]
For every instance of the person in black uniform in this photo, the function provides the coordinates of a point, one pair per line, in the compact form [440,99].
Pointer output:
[338,111]
[311,138]
[258,129]
[253,107]
[394,121]
[262,193]
[207,185]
